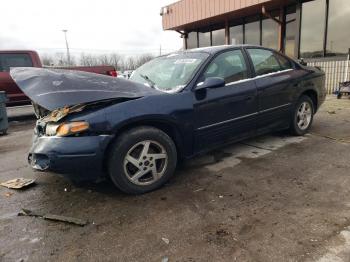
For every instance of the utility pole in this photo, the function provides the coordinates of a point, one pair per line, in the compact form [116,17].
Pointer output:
[67,47]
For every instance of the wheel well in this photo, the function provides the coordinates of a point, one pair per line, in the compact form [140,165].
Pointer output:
[313,95]
[169,129]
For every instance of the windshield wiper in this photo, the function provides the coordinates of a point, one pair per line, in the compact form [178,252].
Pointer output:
[152,83]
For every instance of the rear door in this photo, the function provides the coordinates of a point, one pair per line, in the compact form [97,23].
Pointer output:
[225,113]
[8,60]
[275,80]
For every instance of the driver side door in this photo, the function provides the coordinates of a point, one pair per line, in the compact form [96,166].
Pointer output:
[228,113]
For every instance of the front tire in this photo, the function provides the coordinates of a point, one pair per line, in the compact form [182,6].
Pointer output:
[303,116]
[142,159]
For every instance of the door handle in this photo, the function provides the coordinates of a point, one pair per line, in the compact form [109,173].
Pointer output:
[248,98]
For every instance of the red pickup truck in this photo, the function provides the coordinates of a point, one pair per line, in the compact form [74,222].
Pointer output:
[25,58]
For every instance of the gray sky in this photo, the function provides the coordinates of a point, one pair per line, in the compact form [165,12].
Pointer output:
[94,26]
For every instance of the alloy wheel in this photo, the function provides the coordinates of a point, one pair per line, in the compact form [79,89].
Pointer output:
[145,162]
[304,115]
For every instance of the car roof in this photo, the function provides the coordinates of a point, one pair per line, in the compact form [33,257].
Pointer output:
[16,51]
[212,50]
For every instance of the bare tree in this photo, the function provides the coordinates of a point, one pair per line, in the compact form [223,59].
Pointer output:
[116,60]
[142,59]
[103,59]
[47,60]
[130,63]
[88,60]
[61,59]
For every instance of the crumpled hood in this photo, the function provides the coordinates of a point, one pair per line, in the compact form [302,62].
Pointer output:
[57,88]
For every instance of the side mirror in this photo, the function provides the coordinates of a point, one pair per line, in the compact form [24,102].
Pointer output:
[211,82]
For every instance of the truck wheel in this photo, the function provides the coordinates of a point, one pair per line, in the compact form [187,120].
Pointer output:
[141,160]
[303,116]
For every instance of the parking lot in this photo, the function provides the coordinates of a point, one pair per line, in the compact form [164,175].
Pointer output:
[272,198]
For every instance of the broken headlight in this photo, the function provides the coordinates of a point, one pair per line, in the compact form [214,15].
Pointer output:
[66,129]
[51,129]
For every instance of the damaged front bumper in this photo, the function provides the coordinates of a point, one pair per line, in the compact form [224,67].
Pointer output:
[79,158]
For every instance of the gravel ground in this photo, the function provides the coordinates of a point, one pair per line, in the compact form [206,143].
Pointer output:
[272,198]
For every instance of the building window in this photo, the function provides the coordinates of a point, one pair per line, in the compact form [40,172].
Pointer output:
[291,30]
[218,37]
[338,39]
[252,32]
[269,32]
[192,40]
[312,28]
[204,39]
[236,35]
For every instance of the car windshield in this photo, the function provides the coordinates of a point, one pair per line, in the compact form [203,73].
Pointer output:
[169,73]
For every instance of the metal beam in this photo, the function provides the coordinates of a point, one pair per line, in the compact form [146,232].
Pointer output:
[298,30]
[227,33]
[268,15]
[281,30]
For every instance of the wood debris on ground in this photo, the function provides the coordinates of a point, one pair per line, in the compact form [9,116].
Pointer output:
[71,220]
[18,183]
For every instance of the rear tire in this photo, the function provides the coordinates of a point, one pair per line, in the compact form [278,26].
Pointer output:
[142,159]
[302,116]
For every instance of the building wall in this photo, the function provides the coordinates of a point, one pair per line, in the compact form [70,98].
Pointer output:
[189,11]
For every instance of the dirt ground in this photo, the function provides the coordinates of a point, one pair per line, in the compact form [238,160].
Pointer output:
[273,198]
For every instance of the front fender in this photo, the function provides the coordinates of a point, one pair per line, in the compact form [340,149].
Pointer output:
[171,113]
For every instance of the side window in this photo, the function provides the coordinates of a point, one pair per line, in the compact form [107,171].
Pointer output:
[264,61]
[284,62]
[230,66]
[14,60]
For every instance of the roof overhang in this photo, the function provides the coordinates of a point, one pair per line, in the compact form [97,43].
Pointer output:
[187,15]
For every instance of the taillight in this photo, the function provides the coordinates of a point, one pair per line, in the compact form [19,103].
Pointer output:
[113,73]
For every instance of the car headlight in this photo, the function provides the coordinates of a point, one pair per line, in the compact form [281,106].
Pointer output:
[51,129]
[66,129]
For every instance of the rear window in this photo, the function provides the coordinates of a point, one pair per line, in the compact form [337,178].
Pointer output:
[14,60]
[284,62]
[264,61]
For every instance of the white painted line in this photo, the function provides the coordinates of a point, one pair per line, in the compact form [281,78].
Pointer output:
[341,252]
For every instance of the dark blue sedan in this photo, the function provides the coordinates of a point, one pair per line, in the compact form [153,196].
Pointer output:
[174,107]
